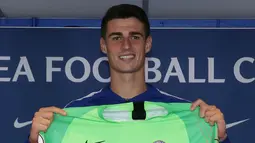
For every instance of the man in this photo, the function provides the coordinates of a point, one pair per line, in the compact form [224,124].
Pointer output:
[126,39]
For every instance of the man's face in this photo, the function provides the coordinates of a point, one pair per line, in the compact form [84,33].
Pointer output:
[126,45]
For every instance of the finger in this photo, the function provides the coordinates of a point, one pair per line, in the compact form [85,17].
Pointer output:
[44,121]
[203,109]
[207,119]
[37,128]
[46,115]
[196,104]
[217,117]
[40,124]
[42,127]
[212,107]
[211,123]
[206,108]
[211,113]
[41,120]
[54,109]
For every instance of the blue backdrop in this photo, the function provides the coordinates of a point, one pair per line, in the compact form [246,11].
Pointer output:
[52,66]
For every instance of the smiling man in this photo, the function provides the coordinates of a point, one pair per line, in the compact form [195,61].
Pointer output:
[125,39]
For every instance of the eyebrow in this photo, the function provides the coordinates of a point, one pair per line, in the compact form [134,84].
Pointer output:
[137,33]
[119,34]
[114,34]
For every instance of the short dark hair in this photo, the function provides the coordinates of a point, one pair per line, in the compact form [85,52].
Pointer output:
[125,11]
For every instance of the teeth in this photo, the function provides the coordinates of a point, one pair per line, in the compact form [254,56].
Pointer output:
[127,57]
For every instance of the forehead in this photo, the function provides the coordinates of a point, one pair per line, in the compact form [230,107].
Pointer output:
[125,25]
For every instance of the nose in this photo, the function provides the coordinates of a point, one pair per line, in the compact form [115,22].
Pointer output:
[126,43]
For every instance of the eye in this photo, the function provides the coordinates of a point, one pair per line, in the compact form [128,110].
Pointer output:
[135,37]
[116,38]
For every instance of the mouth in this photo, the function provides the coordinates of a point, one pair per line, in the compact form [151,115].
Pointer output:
[127,57]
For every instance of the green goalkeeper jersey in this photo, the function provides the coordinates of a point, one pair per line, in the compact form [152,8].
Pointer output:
[164,123]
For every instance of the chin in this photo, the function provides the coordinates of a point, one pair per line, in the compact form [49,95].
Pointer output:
[129,70]
[125,70]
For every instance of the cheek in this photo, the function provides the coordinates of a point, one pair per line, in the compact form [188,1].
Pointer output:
[140,50]
[113,50]
[113,47]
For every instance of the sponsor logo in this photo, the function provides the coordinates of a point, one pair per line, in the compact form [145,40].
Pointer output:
[95,142]
[236,123]
[159,141]
[18,124]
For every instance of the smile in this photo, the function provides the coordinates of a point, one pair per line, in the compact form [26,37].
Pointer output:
[127,56]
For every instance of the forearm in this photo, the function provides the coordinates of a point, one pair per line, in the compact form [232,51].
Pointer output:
[29,140]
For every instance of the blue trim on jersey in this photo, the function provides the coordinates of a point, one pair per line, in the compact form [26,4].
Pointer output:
[107,96]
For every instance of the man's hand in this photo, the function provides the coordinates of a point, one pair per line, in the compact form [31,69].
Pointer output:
[212,115]
[42,120]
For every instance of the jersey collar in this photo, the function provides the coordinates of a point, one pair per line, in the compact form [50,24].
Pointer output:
[147,95]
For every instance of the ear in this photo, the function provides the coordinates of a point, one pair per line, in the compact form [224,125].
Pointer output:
[103,45]
[148,44]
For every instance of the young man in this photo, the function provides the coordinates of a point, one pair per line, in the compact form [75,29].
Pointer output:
[126,39]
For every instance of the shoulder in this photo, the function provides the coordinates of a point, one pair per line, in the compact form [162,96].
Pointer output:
[85,100]
[164,96]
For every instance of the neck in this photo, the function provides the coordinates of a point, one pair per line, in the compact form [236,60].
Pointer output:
[128,85]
